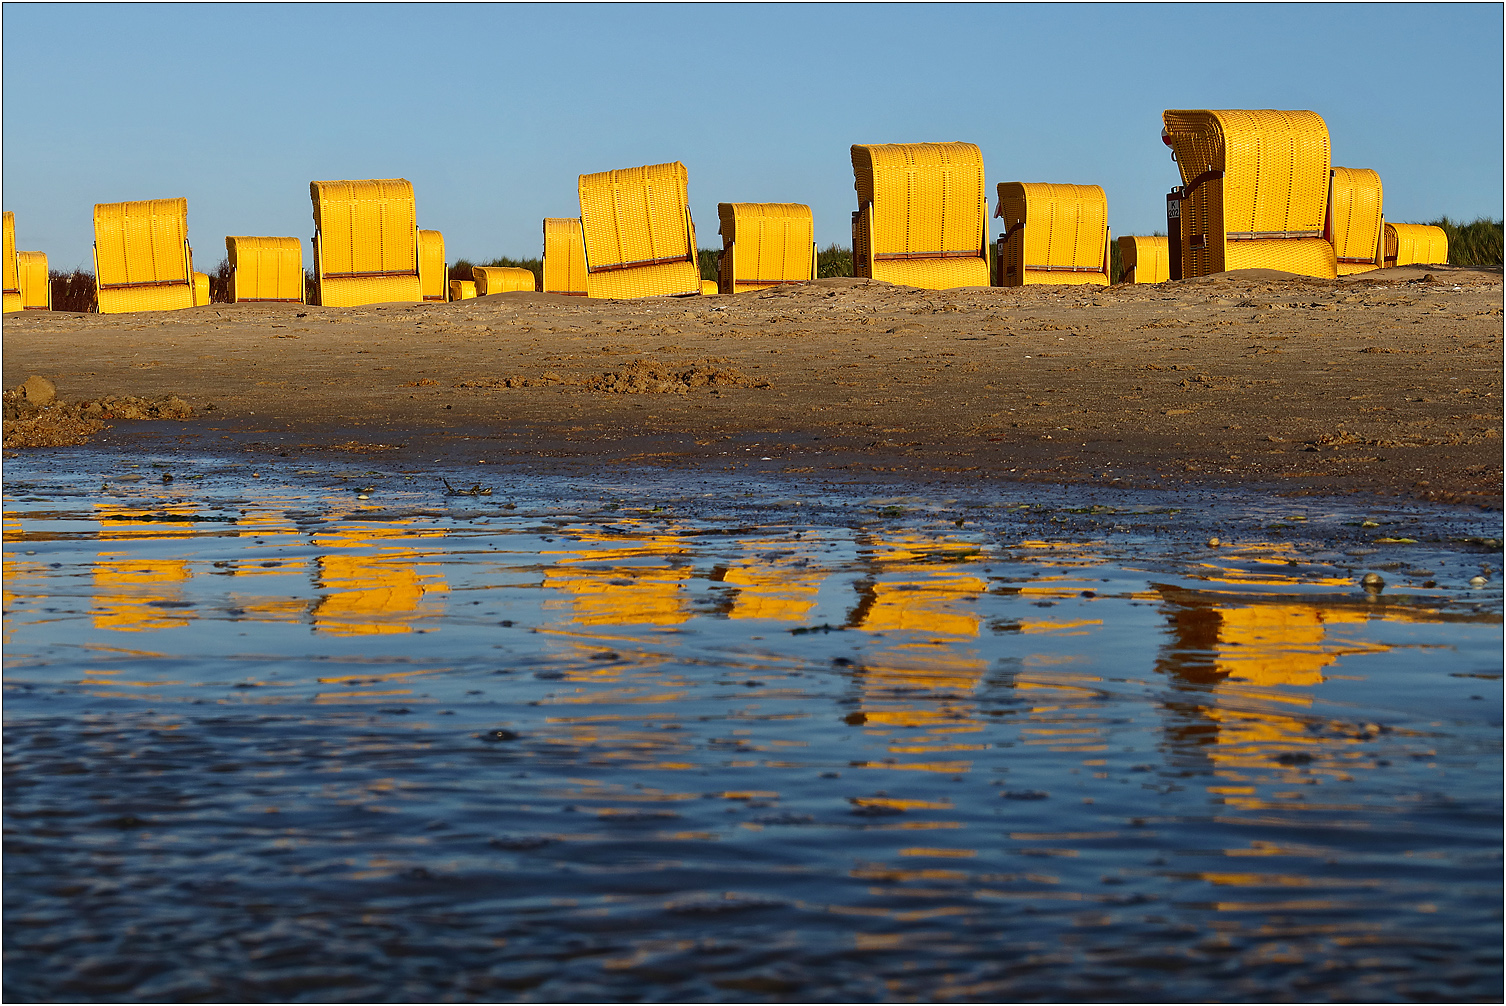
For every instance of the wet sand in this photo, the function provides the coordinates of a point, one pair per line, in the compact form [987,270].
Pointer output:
[1388,383]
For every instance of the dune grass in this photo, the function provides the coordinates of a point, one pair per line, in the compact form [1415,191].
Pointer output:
[461,268]
[73,291]
[1472,244]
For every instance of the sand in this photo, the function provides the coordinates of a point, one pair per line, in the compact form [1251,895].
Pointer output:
[1387,383]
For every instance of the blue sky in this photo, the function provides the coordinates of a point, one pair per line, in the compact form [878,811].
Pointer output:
[492,111]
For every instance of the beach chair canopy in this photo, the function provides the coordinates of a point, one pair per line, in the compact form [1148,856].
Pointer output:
[462,289]
[564,257]
[1254,191]
[638,236]
[12,292]
[433,271]
[142,261]
[764,245]
[922,215]
[1143,260]
[1354,219]
[1053,233]
[501,279]
[1415,244]
[265,269]
[36,285]
[365,242]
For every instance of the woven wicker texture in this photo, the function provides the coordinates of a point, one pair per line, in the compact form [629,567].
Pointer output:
[1275,168]
[265,269]
[1354,219]
[142,261]
[673,279]
[201,294]
[433,271]
[501,279]
[1415,244]
[1057,233]
[366,242]
[920,202]
[36,287]
[637,216]
[462,289]
[12,277]
[564,257]
[1144,259]
[765,244]
[1307,257]
[710,288]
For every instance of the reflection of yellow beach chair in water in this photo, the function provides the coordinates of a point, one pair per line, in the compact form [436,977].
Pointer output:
[36,285]
[922,215]
[12,293]
[265,270]
[1053,233]
[564,257]
[1415,244]
[139,595]
[764,245]
[1254,192]
[1143,260]
[638,235]
[617,588]
[366,244]
[433,270]
[142,261]
[501,279]
[1354,219]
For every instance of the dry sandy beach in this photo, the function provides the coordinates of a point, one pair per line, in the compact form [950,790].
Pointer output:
[1387,383]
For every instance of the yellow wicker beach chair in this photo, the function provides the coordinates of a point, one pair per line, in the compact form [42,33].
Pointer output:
[764,245]
[1053,234]
[639,238]
[502,279]
[1254,192]
[265,270]
[1354,219]
[564,257]
[710,288]
[922,215]
[1415,244]
[1143,260]
[462,289]
[142,261]
[36,285]
[433,270]
[12,295]
[365,242]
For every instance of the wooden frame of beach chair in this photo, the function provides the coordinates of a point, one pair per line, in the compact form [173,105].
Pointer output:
[36,284]
[365,242]
[564,257]
[265,270]
[1414,244]
[1144,259]
[142,260]
[1254,192]
[1353,225]
[1055,233]
[491,279]
[637,232]
[433,270]
[922,216]
[12,293]
[764,245]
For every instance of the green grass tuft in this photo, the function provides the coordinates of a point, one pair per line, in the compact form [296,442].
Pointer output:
[1472,244]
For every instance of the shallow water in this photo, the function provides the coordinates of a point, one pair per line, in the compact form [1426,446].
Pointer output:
[326,733]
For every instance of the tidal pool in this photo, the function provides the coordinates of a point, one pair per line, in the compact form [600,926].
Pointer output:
[324,733]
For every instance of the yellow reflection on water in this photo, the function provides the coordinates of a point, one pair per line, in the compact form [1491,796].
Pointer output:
[776,585]
[621,586]
[375,593]
[139,595]
[919,589]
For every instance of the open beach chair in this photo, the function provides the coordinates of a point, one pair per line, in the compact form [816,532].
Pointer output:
[564,257]
[1143,260]
[366,243]
[1254,192]
[1053,234]
[922,215]
[433,270]
[142,261]
[462,289]
[36,285]
[764,245]
[1414,244]
[264,270]
[502,279]
[638,235]
[1354,219]
[12,293]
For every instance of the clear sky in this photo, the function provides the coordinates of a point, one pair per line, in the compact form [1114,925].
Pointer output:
[492,111]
